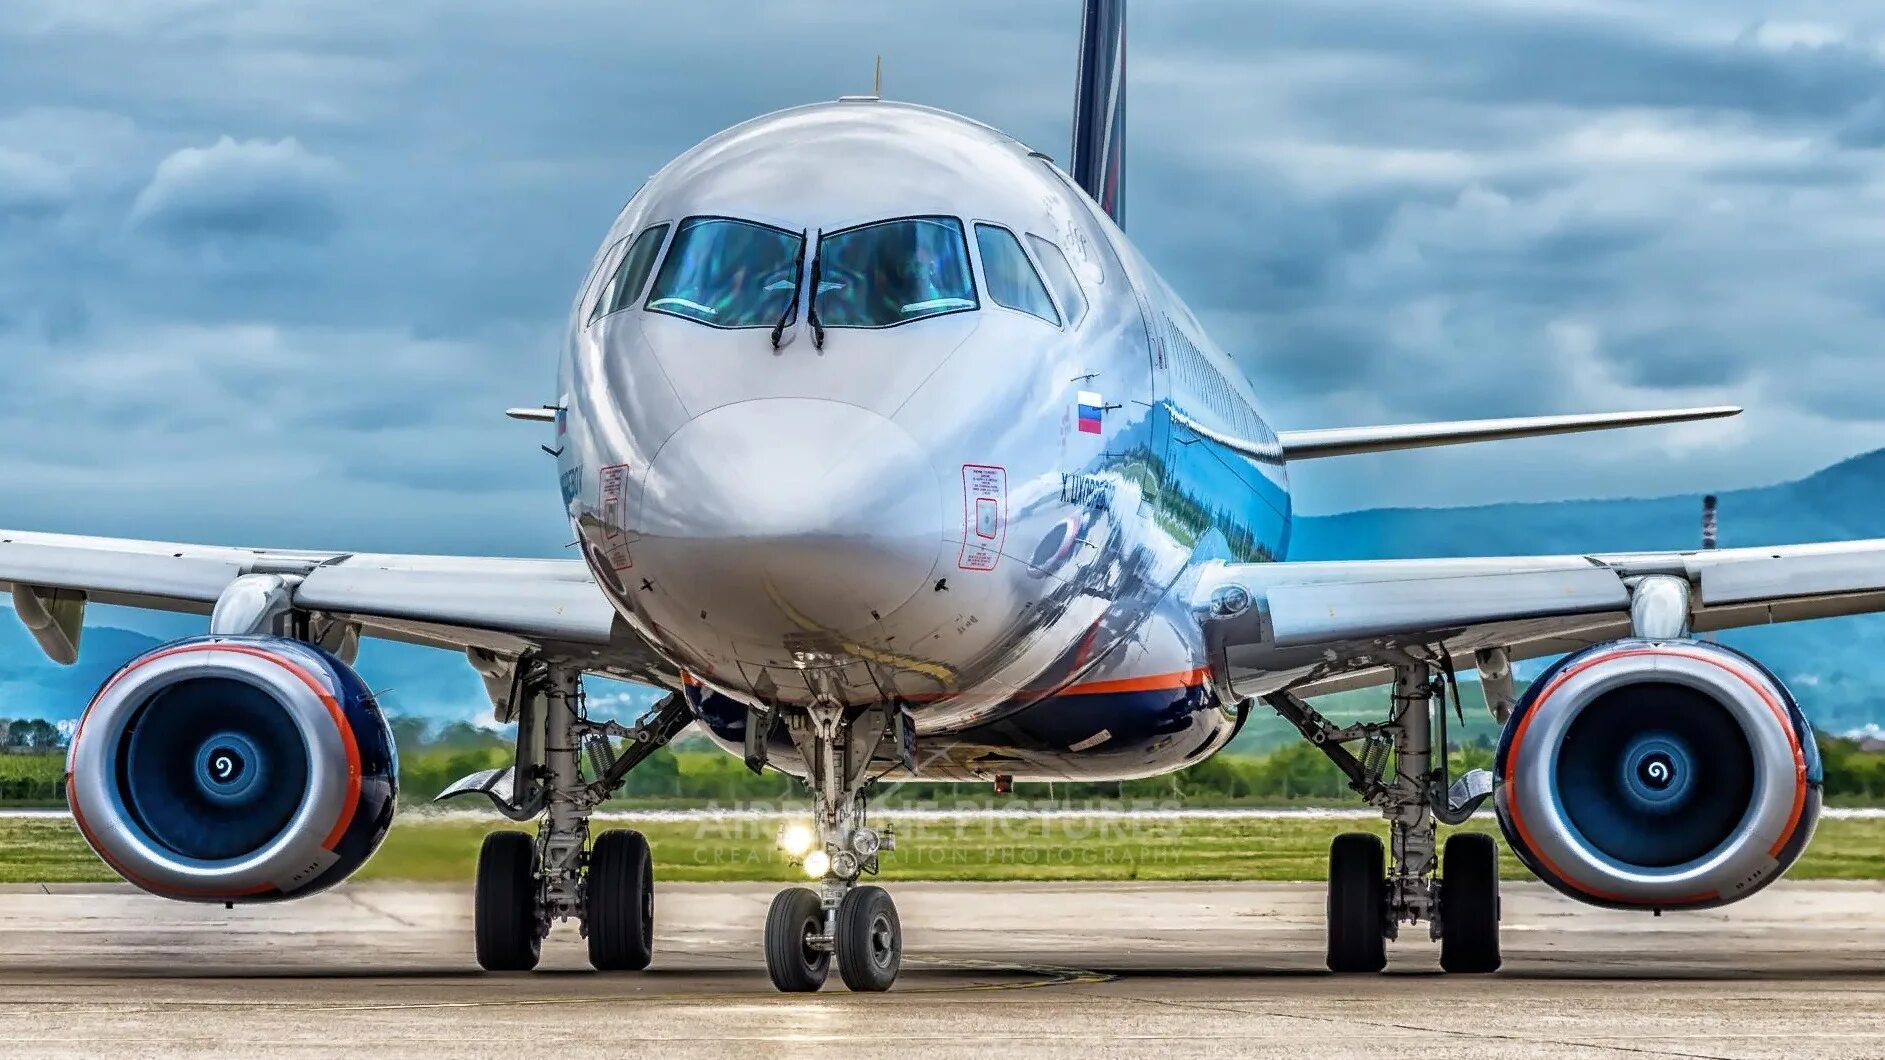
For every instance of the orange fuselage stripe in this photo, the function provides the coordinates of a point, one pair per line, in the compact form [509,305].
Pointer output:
[1154,683]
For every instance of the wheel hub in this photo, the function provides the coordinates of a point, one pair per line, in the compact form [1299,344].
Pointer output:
[882,941]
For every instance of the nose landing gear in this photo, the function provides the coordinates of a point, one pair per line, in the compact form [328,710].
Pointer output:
[806,928]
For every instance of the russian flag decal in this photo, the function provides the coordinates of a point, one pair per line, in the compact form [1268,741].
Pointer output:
[1092,408]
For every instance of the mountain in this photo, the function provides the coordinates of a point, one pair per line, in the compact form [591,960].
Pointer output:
[1835,666]
[410,681]
[1838,503]
[31,687]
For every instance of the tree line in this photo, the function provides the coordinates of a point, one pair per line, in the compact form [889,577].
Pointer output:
[29,734]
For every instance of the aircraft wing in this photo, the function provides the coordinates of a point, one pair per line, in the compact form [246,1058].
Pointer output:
[488,607]
[1323,627]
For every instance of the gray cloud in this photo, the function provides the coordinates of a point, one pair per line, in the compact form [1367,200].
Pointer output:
[241,189]
[1679,357]
[1588,56]
[31,185]
[275,271]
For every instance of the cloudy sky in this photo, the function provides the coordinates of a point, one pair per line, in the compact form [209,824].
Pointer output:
[269,272]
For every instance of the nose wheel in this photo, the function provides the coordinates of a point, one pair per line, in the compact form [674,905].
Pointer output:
[798,956]
[804,932]
[869,939]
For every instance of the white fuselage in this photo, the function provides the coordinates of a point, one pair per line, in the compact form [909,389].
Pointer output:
[979,512]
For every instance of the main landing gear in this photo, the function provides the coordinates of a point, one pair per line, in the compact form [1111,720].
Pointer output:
[526,883]
[807,927]
[1374,889]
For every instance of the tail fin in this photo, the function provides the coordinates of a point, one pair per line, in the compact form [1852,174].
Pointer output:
[1099,116]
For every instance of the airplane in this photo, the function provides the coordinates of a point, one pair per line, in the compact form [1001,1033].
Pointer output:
[890,457]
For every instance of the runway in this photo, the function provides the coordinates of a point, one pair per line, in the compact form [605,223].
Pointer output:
[1071,970]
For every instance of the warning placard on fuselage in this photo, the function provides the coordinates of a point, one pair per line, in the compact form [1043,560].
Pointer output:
[984,516]
[614,516]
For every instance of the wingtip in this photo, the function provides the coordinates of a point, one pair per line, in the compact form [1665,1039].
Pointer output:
[1697,412]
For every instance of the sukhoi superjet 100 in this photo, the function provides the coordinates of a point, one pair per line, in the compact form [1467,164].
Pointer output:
[890,457]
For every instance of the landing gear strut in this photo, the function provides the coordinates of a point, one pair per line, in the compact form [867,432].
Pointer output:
[525,883]
[1372,890]
[807,927]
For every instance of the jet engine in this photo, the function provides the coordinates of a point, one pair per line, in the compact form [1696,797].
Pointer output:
[1658,774]
[233,769]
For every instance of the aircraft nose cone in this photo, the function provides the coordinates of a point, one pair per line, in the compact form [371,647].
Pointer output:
[787,515]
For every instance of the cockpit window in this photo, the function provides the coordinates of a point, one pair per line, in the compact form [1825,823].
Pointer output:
[727,273]
[624,288]
[893,272]
[1060,277]
[1012,281]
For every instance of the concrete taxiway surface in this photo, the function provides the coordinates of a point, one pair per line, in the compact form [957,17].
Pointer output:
[1074,970]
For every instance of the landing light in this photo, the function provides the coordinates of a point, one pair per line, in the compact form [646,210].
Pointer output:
[817,863]
[797,839]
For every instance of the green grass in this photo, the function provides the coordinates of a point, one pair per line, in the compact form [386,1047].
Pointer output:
[31,779]
[1057,848]
[35,767]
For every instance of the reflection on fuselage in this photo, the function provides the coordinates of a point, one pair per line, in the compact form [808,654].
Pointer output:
[975,502]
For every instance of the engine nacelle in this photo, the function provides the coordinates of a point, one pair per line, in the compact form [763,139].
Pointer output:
[233,769]
[1658,774]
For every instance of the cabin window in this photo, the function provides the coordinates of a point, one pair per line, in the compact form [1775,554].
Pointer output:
[892,272]
[728,273]
[595,285]
[1060,277]
[624,288]
[1012,281]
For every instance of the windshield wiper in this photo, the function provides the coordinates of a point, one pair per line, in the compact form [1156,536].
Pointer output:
[811,304]
[792,304]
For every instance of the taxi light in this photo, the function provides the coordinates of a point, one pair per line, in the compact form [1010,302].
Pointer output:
[797,839]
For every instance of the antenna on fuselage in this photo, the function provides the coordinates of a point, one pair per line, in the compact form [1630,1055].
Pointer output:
[877,87]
